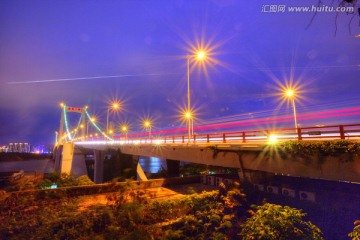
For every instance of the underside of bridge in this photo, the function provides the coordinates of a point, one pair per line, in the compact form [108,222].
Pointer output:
[100,165]
[246,158]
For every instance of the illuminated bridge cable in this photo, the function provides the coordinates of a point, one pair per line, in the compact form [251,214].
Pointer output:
[96,126]
[77,128]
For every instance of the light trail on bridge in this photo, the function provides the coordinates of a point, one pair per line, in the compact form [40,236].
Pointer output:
[240,123]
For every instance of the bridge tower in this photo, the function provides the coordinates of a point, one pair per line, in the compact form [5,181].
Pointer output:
[64,123]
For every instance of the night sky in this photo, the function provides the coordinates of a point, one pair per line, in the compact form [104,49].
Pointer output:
[93,52]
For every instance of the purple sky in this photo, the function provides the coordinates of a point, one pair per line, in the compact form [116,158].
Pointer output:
[145,44]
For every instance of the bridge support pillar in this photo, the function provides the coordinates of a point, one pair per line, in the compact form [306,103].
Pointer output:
[120,165]
[67,157]
[173,167]
[98,166]
[140,172]
[58,158]
[78,165]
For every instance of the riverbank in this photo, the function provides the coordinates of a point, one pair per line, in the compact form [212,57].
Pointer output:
[12,156]
[43,165]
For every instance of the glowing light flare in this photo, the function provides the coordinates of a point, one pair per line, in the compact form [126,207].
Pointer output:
[124,128]
[147,124]
[184,115]
[201,55]
[289,93]
[273,139]
[115,106]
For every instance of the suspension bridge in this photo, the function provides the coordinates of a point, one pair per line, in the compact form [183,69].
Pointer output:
[245,150]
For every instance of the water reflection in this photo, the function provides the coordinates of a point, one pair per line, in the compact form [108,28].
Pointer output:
[152,164]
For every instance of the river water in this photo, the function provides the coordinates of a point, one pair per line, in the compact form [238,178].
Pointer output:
[30,166]
[152,164]
[148,164]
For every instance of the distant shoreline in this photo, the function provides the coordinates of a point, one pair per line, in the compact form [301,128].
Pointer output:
[14,157]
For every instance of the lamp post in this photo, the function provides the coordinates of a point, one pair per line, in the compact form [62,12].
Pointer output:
[290,94]
[190,123]
[110,132]
[147,125]
[115,106]
[124,129]
[199,56]
[87,125]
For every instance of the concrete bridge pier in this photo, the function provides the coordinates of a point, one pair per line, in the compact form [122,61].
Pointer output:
[99,158]
[110,164]
[71,160]
[173,167]
[57,157]
[121,164]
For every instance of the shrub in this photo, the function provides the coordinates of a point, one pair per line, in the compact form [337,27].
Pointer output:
[64,180]
[84,180]
[275,222]
[45,183]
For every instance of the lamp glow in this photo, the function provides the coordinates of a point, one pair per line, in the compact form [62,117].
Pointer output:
[273,139]
[201,55]
[289,93]
[114,106]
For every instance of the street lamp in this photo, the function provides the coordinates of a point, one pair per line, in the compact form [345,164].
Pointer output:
[190,121]
[88,123]
[147,125]
[111,132]
[290,94]
[125,130]
[199,56]
[114,106]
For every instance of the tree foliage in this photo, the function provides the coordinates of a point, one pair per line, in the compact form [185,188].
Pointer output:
[275,222]
[344,149]
[64,180]
[131,214]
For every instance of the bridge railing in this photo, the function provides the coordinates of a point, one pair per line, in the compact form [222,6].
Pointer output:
[350,131]
[308,133]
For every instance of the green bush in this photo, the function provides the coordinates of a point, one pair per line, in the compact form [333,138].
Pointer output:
[275,222]
[44,184]
[84,181]
[64,180]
